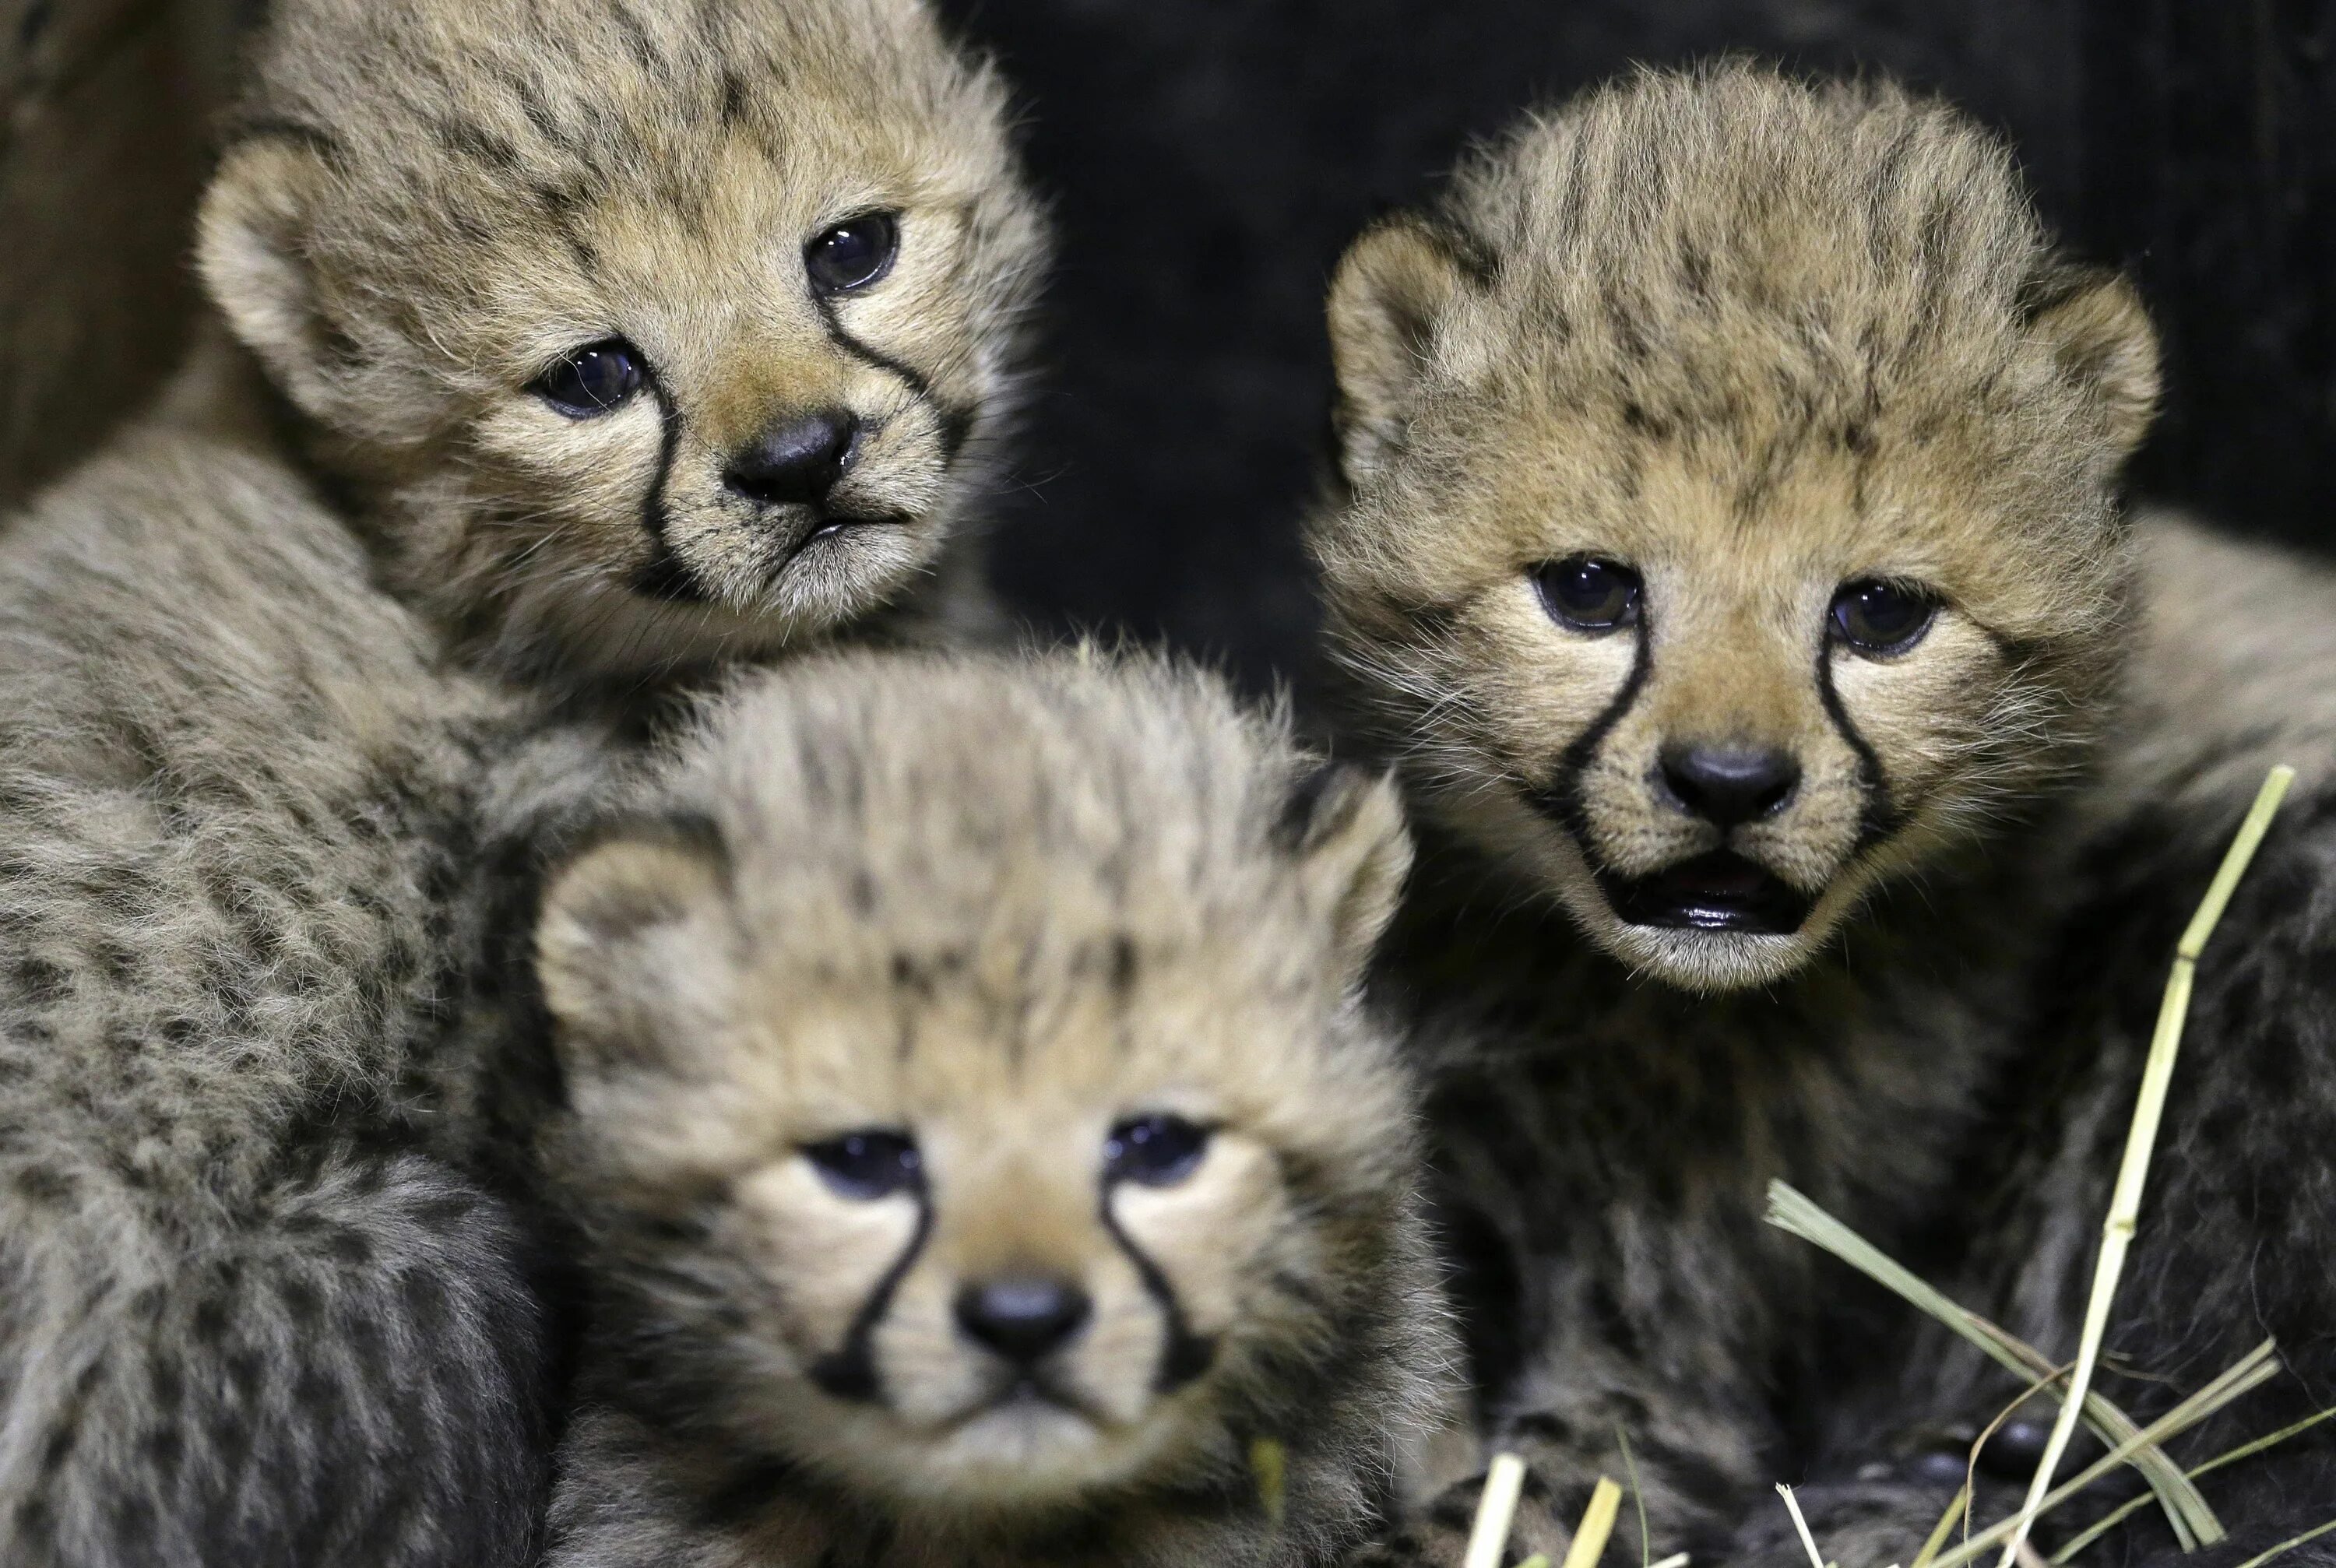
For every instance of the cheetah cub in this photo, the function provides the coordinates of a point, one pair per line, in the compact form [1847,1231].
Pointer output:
[562,351]
[976,1137]
[1815,767]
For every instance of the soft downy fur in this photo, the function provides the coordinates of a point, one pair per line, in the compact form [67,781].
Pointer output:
[1020,924]
[262,1301]
[1815,769]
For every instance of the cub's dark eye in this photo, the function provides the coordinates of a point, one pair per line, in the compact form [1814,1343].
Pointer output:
[867,1165]
[1157,1151]
[591,381]
[1589,594]
[854,254]
[1876,616]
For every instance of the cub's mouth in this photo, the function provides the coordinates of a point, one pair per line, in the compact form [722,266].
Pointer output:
[1718,891]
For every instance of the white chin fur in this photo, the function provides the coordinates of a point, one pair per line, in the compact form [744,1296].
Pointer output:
[1702,960]
[1022,1453]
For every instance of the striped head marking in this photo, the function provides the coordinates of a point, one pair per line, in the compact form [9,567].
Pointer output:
[648,334]
[1730,519]
[1017,1152]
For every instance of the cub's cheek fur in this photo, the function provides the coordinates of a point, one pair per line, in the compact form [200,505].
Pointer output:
[1206,1234]
[825,1255]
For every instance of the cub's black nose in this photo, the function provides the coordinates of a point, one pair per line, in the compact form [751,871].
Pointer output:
[1022,1319]
[1726,786]
[799,460]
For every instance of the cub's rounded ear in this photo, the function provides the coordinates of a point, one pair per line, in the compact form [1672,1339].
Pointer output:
[250,246]
[1391,289]
[627,928]
[1344,826]
[2101,333]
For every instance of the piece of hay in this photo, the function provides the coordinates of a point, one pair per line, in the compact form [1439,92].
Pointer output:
[1496,1508]
[1792,1505]
[2123,1511]
[1958,1507]
[1638,1497]
[2251,1371]
[2290,1545]
[2141,1141]
[1269,1463]
[2186,1510]
[1597,1524]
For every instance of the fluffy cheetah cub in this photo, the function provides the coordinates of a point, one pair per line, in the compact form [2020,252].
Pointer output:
[976,1137]
[1731,536]
[567,349]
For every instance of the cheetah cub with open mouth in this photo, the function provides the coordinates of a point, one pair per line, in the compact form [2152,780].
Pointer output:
[977,1145]
[1815,766]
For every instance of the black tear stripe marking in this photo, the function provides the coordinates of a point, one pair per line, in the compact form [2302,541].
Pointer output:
[664,575]
[1559,798]
[1186,1355]
[849,1372]
[956,423]
[1880,817]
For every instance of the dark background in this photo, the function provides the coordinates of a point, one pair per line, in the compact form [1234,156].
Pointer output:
[1208,158]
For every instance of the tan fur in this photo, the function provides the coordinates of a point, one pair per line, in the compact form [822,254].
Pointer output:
[1001,910]
[2229,665]
[1754,340]
[1758,341]
[425,203]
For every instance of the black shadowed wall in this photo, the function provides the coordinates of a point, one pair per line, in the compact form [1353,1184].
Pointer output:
[1209,159]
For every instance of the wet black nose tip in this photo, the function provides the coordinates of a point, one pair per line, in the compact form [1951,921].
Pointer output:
[1022,1319]
[799,460]
[1727,785]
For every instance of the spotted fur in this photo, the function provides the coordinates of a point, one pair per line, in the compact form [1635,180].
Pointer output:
[999,912]
[263,1297]
[1757,340]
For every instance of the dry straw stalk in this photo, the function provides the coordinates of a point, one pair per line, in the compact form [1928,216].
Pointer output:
[2125,1205]
[1496,1508]
[2186,1511]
